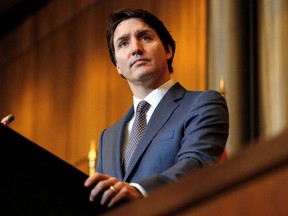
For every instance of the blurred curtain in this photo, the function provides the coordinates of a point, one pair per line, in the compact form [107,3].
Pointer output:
[248,47]
[273,65]
[231,56]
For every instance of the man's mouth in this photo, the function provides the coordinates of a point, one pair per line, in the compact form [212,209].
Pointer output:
[139,61]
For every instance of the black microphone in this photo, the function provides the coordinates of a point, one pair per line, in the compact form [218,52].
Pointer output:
[7,120]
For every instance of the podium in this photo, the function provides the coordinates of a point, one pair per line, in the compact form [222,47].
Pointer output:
[36,182]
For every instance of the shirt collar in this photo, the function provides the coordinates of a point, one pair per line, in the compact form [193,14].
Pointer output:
[156,95]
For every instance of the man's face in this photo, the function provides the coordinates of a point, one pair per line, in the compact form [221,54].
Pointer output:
[139,53]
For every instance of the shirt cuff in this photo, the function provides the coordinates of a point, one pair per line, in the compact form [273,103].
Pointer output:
[140,189]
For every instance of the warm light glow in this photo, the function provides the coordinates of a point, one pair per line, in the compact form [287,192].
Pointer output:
[92,157]
[222,86]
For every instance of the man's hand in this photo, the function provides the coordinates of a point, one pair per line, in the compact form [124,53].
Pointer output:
[112,190]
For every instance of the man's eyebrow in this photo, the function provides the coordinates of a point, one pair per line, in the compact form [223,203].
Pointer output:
[122,37]
[143,31]
[138,32]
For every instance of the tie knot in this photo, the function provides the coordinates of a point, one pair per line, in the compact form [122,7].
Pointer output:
[143,106]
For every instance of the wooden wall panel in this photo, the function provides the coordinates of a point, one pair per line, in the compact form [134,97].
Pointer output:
[90,90]
[58,14]
[53,93]
[14,45]
[186,20]
[18,92]
[63,88]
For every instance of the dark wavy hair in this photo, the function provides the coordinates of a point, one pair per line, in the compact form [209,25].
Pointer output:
[118,16]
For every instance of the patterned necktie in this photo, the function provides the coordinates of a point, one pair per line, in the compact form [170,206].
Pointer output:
[137,131]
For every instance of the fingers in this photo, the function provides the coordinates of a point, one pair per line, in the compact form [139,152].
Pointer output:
[96,177]
[125,192]
[120,196]
[110,190]
[113,194]
[101,187]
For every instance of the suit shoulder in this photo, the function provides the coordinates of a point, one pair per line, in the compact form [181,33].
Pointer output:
[210,95]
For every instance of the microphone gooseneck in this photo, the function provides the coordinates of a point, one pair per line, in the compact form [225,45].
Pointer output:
[7,120]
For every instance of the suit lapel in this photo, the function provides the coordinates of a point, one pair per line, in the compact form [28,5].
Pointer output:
[120,140]
[160,116]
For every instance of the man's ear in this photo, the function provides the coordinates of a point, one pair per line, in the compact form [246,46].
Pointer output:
[118,69]
[169,53]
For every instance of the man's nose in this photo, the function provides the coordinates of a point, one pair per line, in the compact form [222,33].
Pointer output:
[136,48]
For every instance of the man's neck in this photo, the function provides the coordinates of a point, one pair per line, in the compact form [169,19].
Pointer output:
[141,91]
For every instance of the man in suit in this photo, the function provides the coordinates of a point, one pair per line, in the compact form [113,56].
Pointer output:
[185,130]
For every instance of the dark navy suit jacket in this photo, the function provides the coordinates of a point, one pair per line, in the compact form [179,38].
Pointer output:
[186,131]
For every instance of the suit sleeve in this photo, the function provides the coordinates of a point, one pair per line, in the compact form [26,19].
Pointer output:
[203,142]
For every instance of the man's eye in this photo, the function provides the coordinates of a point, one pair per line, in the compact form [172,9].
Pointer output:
[145,38]
[123,44]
